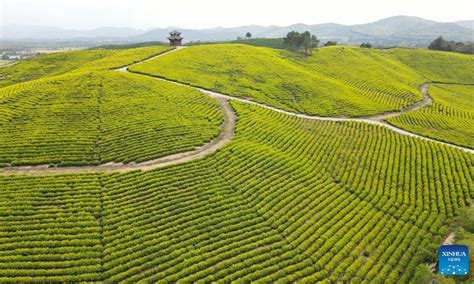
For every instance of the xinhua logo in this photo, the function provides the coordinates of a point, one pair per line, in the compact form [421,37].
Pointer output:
[453,260]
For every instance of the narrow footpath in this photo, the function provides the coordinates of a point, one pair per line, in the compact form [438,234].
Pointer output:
[226,135]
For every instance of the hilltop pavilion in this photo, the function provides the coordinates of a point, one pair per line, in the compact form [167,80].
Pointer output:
[175,38]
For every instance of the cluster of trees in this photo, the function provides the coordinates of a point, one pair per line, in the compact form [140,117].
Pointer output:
[248,35]
[330,43]
[300,42]
[441,44]
[305,42]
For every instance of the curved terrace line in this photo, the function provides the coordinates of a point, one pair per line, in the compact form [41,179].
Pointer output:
[226,135]
[377,119]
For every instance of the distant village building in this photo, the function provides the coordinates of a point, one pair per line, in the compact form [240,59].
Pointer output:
[175,38]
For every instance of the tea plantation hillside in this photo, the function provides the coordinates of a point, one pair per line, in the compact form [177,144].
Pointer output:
[333,81]
[383,79]
[285,199]
[47,65]
[85,118]
[288,199]
[437,66]
[63,62]
[450,118]
[339,81]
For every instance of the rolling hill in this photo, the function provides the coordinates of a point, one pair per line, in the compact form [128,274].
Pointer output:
[281,79]
[287,198]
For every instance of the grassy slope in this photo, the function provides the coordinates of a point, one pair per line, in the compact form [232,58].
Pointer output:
[48,65]
[263,42]
[96,117]
[63,62]
[129,46]
[320,84]
[448,67]
[450,118]
[124,57]
[288,199]
[82,116]
[381,79]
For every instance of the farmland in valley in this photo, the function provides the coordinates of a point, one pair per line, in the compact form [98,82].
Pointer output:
[286,198]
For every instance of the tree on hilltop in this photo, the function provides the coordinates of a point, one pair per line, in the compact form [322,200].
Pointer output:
[443,45]
[440,44]
[300,42]
[314,41]
[330,43]
[292,41]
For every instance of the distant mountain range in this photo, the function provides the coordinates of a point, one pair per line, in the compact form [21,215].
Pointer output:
[398,30]
[21,32]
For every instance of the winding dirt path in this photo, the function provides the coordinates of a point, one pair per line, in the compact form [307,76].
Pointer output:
[226,135]
[376,119]
[427,100]
[449,239]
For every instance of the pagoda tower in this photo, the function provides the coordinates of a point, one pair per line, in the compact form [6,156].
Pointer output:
[175,38]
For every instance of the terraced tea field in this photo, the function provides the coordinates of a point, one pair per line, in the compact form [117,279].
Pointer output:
[93,118]
[63,62]
[437,66]
[266,193]
[450,118]
[284,200]
[279,79]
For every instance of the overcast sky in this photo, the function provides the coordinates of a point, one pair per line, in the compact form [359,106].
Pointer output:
[88,14]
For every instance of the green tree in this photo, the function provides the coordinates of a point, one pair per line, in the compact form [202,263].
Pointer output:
[330,43]
[314,41]
[366,45]
[304,42]
[248,35]
[441,44]
[292,41]
[467,47]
